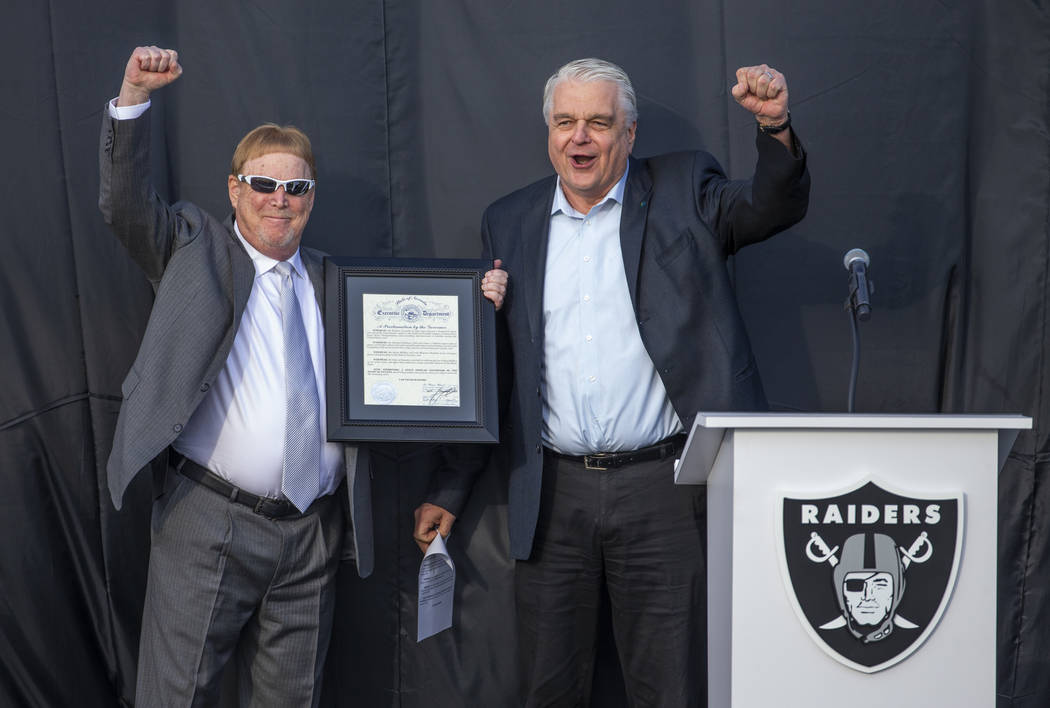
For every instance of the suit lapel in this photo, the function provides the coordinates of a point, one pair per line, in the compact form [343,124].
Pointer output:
[243,272]
[632,222]
[315,270]
[535,229]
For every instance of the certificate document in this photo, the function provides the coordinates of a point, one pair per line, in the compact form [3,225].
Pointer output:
[410,349]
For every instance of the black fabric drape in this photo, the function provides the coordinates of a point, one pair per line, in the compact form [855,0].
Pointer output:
[928,131]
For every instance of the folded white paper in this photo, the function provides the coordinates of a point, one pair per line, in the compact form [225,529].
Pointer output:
[437,581]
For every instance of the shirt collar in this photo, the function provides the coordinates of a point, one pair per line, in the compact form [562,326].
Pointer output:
[263,263]
[561,202]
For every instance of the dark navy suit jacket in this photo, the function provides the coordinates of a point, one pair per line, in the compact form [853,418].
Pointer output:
[681,219]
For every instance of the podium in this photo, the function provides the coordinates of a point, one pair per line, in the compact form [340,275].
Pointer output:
[851,558]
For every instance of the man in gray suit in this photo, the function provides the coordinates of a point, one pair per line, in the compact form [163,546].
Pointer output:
[620,325]
[226,399]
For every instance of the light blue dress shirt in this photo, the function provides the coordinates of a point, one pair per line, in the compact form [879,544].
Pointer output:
[601,390]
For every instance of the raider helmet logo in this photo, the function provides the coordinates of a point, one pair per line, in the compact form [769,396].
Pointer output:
[870,572]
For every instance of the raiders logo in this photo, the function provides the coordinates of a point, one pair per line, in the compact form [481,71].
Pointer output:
[870,572]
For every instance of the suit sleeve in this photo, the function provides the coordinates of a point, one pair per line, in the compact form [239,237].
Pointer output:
[743,212]
[460,465]
[147,226]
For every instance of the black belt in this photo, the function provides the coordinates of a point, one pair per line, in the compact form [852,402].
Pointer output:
[264,506]
[668,447]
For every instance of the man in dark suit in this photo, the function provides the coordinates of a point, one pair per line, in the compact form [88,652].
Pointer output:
[620,323]
[226,400]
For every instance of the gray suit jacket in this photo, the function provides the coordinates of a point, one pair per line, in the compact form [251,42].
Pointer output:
[202,276]
[680,221]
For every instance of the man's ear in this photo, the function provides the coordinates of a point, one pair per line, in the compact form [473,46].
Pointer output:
[235,190]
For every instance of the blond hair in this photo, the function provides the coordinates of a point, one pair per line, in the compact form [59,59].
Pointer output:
[270,138]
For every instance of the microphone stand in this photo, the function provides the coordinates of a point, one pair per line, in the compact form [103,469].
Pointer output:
[855,366]
[859,309]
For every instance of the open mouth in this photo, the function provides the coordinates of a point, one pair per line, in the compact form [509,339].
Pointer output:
[583,160]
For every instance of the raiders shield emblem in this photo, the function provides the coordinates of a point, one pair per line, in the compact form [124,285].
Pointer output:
[870,571]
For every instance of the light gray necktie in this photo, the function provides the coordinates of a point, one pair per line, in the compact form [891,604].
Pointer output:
[300,481]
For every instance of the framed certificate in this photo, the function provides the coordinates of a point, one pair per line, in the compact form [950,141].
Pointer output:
[410,351]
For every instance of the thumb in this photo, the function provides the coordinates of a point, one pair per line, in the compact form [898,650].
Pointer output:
[445,527]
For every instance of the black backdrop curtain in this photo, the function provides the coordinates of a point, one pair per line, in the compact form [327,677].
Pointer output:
[927,129]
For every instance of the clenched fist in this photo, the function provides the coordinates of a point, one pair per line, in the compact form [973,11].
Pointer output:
[148,69]
[764,92]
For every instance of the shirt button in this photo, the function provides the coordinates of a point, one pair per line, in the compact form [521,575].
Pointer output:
[205,386]
[593,379]
[586,259]
[177,427]
[586,298]
[589,337]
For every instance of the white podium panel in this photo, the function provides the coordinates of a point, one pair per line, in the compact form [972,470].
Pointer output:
[794,566]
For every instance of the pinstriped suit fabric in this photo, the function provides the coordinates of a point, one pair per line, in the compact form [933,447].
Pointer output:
[219,570]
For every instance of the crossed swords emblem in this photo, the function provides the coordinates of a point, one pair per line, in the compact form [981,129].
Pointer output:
[817,550]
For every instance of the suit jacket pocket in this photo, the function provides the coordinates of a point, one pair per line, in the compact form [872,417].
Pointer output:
[679,265]
[682,247]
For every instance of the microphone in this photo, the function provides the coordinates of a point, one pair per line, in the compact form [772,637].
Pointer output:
[856,262]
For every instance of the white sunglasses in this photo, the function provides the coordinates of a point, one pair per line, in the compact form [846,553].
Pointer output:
[267,185]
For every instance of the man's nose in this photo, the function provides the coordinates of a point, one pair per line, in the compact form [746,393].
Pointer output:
[279,196]
[580,134]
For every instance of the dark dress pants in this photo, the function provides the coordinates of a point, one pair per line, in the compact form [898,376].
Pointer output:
[633,530]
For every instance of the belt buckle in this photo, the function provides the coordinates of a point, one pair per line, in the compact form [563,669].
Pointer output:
[594,462]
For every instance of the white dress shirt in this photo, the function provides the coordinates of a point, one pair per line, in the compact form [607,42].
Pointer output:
[601,390]
[238,429]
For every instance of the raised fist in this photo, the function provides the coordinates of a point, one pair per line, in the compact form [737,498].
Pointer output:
[148,69]
[763,91]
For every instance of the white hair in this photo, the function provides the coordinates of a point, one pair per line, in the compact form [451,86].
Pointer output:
[586,70]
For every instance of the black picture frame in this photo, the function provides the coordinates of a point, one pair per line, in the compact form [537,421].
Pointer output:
[400,285]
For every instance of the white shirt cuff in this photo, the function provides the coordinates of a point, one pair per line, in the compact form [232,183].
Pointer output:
[126,112]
